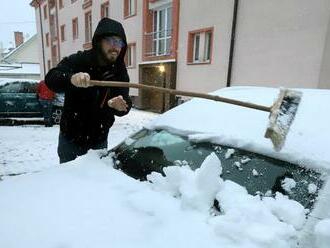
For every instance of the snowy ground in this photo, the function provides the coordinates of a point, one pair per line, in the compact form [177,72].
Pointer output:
[34,148]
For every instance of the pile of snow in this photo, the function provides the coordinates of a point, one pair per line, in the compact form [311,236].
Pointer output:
[307,141]
[322,233]
[87,203]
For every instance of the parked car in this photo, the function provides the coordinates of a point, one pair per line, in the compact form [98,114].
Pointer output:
[18,98]
[189,133]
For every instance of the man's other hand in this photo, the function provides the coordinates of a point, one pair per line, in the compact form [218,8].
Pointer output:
[81,79]
[118,103]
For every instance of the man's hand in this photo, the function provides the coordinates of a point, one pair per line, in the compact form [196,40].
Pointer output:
[118,103]
[81,79]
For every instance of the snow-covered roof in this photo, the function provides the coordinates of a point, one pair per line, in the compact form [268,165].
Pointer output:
[307,142]
[20,47]
[24,68]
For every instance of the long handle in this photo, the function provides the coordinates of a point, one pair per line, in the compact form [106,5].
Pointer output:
[180,93]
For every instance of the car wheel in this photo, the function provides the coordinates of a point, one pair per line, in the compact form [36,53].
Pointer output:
[57,116]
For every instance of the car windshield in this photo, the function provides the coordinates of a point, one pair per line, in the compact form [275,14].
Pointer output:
[152,150]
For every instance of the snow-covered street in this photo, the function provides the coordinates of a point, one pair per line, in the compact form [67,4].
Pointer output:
[34,148]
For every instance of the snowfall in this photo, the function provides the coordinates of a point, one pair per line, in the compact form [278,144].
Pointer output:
[88,203]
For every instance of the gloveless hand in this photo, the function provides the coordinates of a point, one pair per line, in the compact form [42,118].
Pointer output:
[118,103]
[81,79]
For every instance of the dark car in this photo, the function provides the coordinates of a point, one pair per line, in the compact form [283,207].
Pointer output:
[189,133]
[18,98]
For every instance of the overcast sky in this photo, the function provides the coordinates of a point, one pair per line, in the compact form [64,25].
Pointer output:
[16,15]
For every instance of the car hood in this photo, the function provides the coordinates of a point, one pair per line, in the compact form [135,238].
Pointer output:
[204,120]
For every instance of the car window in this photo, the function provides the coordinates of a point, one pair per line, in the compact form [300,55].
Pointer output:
[12,87]
[149,151]
[28,87]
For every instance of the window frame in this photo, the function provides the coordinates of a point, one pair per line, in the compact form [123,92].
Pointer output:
[105,6]
[205,49]
[47,39]
[45,12]
[88,27]
[130,55]
[128,7]
[75,28]
[167,38]
[62,31]
[60,4]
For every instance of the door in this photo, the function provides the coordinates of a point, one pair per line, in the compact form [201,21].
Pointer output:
[152,100]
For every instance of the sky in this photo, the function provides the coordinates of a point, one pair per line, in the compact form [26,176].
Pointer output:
[16,15]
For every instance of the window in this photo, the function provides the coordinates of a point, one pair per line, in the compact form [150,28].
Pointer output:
[129,8]
[47,39]
[200,46]
[45,12]
[75,28]
[130,55]
[88,27]
[196,47]
[162,31]
[105,10]
[207,47]
[60,4]
[63,33]
[48,65]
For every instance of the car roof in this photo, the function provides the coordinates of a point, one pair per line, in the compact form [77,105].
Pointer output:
[307,142]
[4,81]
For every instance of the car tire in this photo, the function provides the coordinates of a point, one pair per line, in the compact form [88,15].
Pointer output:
[57,113]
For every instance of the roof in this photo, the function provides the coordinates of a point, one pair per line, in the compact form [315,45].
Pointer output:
[3,81]
[307,142]
[24,68]
[20,47]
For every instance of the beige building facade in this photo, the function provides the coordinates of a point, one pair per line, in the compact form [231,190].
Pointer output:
[198,45]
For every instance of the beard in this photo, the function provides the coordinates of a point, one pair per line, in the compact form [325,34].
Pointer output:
[108,57]
[111,55]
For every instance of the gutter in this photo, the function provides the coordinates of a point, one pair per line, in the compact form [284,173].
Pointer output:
[232,43]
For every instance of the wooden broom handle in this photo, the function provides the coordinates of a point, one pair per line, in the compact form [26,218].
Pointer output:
[180,93]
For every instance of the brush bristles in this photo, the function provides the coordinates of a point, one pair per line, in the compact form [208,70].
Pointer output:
[282,116]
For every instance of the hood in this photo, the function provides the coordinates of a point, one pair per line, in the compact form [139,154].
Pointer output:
[108,27]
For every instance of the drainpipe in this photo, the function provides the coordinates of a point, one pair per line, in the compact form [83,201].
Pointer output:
[42,38]
[232,43]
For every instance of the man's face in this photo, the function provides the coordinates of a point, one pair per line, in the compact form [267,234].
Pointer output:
[111,46]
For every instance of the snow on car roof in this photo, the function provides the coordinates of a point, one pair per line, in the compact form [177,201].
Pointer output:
[3,81]
[307,142]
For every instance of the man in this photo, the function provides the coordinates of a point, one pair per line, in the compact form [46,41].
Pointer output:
[89,111]
[46,97]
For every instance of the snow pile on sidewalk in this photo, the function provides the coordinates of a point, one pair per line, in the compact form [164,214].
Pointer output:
[87,203]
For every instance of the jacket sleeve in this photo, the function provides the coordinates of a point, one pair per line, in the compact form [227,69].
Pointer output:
[123,91]
[58,79]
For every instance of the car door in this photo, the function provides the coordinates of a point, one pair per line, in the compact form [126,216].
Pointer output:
[10,99]
[29,100]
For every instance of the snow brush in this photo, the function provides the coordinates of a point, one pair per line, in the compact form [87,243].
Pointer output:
[282,112]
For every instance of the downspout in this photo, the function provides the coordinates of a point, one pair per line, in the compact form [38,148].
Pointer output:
[232,43]
[42,38]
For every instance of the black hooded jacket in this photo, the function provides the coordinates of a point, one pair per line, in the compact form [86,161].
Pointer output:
[86,117]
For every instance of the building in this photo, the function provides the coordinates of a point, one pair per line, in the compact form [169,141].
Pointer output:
[198,45]
[23,60]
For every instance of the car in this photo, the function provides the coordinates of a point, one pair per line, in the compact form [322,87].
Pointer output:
[18,98]
[188,134]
